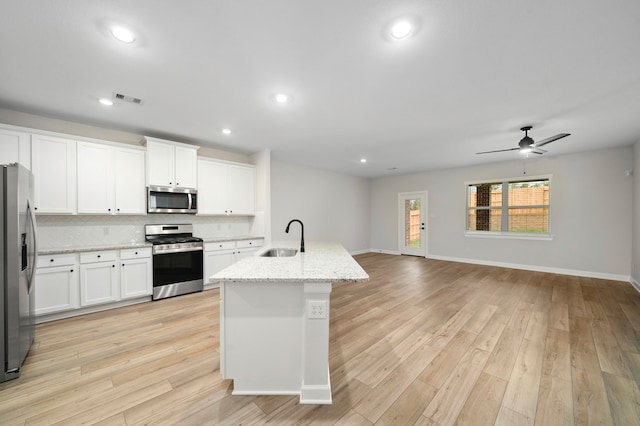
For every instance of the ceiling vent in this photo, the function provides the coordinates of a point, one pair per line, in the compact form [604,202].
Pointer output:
[127,98]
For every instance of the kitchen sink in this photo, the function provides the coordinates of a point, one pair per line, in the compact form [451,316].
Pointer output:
[279,252]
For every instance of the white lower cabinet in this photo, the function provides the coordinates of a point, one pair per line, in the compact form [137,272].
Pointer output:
[219,255]
[136,271]
[99,277]
[248,248]
[57,284]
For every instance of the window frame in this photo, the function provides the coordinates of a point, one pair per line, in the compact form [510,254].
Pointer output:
[505,208]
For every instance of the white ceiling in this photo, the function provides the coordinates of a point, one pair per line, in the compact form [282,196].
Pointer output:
[472,74]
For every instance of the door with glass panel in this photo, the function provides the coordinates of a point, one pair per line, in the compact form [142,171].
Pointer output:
[412,223]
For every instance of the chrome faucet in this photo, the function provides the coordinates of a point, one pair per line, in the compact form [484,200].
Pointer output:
[302,237]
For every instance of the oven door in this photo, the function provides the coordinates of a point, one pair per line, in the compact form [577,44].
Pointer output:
[177,267]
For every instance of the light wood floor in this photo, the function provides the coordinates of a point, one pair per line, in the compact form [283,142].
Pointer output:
[424,342]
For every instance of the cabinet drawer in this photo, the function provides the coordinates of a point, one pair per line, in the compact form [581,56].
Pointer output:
[220,245]
[136,253]
[98,256]
[51,260]
[257,242]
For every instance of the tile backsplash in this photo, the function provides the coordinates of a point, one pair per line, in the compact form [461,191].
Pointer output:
[84,230]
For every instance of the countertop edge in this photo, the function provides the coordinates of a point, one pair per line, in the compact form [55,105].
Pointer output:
[322,262]
[124,246]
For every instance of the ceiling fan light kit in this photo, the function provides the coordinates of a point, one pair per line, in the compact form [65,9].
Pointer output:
[528,145]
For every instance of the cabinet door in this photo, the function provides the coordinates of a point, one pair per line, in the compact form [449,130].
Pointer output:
[95,178]
[185,167]
[136,278]
[160,164]
[212,184]
[216,261]
[241,186]
[15,148]
[245,252]
[54,168]
[99,283]
[130,188]
[56,289]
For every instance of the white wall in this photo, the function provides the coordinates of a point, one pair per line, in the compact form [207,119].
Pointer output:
[332,206]
[590,216]
[635,251]
[261,223]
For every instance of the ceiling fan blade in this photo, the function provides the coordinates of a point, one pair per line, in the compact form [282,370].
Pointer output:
[499,150]
[540,150]
[552,138]
[537,152]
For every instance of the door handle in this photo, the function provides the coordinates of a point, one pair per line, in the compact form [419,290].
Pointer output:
[33,265]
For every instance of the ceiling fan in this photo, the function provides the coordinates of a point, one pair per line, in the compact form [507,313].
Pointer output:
[527,144]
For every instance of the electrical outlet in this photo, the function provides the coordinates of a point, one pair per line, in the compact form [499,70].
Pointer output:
[317,309]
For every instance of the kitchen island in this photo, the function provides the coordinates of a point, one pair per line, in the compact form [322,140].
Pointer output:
[274,320]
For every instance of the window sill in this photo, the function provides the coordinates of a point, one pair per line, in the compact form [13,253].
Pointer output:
[509,235]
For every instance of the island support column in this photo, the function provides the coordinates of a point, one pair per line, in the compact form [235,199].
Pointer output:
[316,382]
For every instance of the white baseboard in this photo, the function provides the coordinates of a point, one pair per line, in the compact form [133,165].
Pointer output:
[635,284]
[90,309]
[536,268]
[394,252]
[356,252]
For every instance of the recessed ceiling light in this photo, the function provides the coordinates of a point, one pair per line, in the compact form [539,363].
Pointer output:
[226,131]
[401,30]
[282,98]
[363,160]
[123,34]
[106,102]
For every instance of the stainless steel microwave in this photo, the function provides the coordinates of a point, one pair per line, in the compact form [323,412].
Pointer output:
[165,199]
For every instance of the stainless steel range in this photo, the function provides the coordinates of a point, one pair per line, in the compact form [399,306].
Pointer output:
[177,260]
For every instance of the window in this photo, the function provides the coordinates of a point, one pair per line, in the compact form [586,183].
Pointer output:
[509,206]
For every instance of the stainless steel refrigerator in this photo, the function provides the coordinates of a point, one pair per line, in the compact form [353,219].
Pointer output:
[18,255]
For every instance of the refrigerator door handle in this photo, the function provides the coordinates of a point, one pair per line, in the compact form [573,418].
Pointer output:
[32,216]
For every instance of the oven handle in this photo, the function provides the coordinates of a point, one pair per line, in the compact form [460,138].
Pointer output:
[176,250]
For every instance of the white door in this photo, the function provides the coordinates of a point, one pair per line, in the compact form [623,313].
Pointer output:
[412,223]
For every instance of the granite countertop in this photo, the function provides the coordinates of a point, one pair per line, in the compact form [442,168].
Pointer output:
[322,261]
[124,246]
[221,239]
[96,247]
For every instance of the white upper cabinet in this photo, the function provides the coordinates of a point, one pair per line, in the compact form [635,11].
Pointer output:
[186,175]
[212,177]
[171,164]
[111,180]
[15,147]
[53,162]
[226,188]
[95,178]
[131,192]
[241,189]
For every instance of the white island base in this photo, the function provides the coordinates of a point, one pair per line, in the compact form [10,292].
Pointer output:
[274,321]
[270,345]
